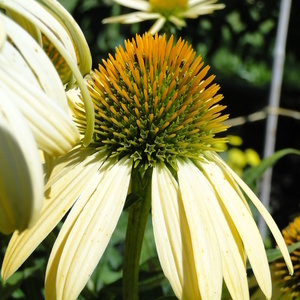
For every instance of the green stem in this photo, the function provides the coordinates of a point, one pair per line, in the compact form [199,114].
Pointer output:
[137,219]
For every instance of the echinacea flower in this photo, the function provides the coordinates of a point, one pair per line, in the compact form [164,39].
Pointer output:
[156,117]
[34,107]
[174,11]
[289,286]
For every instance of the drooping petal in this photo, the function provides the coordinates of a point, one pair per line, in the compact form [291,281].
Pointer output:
[263,211]
[245,225]
[204,239]
[84,54]
[172,235]
[233,258]
[21,174]
[60,196]
[87,231]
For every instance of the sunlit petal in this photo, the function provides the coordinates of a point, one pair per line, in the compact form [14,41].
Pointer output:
[266,215]
[245,225]
[172,235]
[231,247]
[36,59]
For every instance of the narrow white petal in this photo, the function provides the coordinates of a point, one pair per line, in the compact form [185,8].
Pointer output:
[134,17]
[172,235]
[233,259]
[245,225]
[204,239]
[157,26]
[177,21]
[58,200]
[87,231]
[266,215]
[21,174]
[135,4]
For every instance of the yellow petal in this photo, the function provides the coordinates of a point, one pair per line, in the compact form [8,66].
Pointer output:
[172,235]
[233,259]
[87,231]
[245,225]
[204,239]
[21,174]
[58,200]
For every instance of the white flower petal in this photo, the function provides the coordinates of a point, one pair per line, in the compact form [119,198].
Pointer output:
[233,258]
[266,215]
[58,200]
[131,18]
[87,231]
[159,23]
[172,235]
[54,131]
[37,60]
[177,21]
[21,174]
[245,225]
[204,240]
[135,4]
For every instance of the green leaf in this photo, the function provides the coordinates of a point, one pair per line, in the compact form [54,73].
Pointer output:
[274,254]
[251,175]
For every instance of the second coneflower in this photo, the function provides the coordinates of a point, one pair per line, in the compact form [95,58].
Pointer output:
[289,286]
[157,114]
[163,11]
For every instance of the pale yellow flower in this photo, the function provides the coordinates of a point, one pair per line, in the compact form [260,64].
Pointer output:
[157,114]
[174,11]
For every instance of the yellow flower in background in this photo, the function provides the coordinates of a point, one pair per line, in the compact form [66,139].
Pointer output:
[156,117]
[34,110]
[289,286]
[174,11]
